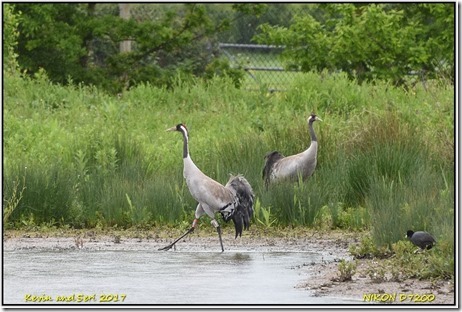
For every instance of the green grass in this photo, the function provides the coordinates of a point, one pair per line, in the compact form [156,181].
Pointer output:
[74,156]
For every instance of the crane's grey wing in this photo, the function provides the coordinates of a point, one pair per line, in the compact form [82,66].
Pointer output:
[243,210]
[270,159]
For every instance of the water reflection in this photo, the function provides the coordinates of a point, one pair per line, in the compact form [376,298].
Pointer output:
[239,258]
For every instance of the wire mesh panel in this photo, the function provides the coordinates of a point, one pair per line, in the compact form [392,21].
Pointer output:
[261,63]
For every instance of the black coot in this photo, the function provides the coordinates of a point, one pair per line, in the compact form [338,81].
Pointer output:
[421,239]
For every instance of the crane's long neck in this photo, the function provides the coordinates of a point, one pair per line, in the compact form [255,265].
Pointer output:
[185,144]
[312,134]
[189,168]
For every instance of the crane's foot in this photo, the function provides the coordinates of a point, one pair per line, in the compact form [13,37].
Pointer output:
[173,244]
[166,247]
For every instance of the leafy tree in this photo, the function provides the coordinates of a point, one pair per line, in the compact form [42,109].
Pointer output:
[370,41]
[76,41]
[246,28]
[51,37]
[10,38]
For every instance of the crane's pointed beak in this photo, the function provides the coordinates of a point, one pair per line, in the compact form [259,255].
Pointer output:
[317,118]
[171,129]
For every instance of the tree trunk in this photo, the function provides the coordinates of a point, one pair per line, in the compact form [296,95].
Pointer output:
[124,12]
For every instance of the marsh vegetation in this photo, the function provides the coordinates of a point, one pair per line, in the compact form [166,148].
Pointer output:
[76,157]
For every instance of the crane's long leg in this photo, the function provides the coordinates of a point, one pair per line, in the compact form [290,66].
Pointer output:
[173,244]
[219,236]
[217,226]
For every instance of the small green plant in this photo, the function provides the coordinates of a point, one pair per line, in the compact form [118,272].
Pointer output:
[28,221]
[395,272]
[131,211]
[347,269]
[377,272]
[137,216]
[263,215]
[323,219]
[367,249]
[48,226]
[348,218]
[435,263]
[12,202]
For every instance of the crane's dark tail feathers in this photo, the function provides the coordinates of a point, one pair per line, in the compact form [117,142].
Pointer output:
[244,209]
[270,159]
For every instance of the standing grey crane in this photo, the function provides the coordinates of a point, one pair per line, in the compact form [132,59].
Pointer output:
[233,201]
[277,167]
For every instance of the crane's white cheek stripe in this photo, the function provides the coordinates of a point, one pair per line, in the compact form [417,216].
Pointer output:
[184,129]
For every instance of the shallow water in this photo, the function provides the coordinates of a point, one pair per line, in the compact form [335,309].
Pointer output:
[157,277]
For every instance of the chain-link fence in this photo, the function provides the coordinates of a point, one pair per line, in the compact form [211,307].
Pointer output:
[262,63]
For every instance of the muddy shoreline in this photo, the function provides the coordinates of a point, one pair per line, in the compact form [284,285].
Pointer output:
[320,278]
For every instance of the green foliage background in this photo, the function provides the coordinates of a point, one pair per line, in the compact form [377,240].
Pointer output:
[79,42]
[370,41]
